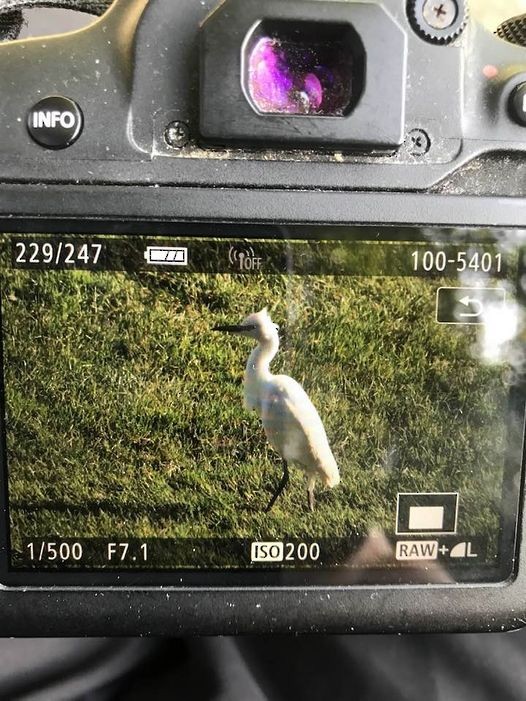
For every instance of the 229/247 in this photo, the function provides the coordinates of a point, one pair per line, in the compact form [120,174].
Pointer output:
[55,254]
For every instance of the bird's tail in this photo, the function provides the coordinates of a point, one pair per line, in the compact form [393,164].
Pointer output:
[331,474]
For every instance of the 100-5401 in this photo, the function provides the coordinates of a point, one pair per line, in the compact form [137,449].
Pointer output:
[440,261]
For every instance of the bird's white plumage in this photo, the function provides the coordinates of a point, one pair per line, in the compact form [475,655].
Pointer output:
[290,420]
[295,430]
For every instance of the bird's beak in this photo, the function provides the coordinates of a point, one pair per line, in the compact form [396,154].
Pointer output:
[234,328]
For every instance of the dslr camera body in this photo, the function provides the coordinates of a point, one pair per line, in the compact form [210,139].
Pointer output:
[350,172]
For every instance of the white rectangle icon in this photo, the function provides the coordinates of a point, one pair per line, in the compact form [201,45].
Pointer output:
[267,552]
[166,255]
[417,550]
[426,518]
[426,513]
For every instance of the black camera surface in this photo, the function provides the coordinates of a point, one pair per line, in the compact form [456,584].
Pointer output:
[263,301]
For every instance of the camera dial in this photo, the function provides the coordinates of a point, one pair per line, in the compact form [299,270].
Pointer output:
[438,21]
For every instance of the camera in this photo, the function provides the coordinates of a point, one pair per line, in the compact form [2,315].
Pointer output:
[262,275]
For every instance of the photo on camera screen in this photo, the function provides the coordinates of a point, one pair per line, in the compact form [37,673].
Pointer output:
[209,394]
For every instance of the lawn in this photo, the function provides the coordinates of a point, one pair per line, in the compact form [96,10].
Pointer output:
[125,416]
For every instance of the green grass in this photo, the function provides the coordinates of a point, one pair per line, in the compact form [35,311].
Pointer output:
[125,413]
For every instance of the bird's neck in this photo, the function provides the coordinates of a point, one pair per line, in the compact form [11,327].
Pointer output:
[261,357]
[258,371]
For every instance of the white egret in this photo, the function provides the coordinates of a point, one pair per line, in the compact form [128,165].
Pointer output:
[291,423]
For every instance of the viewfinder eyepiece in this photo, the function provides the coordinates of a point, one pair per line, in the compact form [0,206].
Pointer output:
[303,68]
[302,73]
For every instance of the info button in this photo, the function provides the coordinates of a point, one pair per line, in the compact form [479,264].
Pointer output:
[55,122]
[469,305]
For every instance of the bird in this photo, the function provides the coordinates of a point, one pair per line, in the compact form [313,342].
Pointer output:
[291,423]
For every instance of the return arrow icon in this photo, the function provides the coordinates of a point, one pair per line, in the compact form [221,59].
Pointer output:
[469,305]
[476,305]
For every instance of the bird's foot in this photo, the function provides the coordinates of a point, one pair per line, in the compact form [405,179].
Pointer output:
[311,500]
[284,482]
[269,506]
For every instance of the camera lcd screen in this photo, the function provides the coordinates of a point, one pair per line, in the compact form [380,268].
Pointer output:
[281,406]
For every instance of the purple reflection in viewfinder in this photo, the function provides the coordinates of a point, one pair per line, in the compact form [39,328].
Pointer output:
[290,77]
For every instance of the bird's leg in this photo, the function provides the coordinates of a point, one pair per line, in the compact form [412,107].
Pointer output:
[281,486]
[310,493]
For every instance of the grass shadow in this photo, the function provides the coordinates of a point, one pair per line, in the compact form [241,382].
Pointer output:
[90,508]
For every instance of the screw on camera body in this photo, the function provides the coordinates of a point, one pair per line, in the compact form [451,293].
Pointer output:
[177,134]
[418,142]
[440,14]
[438,21]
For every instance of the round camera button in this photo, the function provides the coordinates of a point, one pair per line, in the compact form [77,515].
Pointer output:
[518,104]
[55,122]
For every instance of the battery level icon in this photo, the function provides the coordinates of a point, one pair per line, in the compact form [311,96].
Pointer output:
[166,255]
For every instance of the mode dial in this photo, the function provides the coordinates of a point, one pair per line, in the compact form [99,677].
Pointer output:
[438,21]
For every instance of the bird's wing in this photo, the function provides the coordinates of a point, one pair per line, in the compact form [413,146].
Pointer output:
[295,429]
